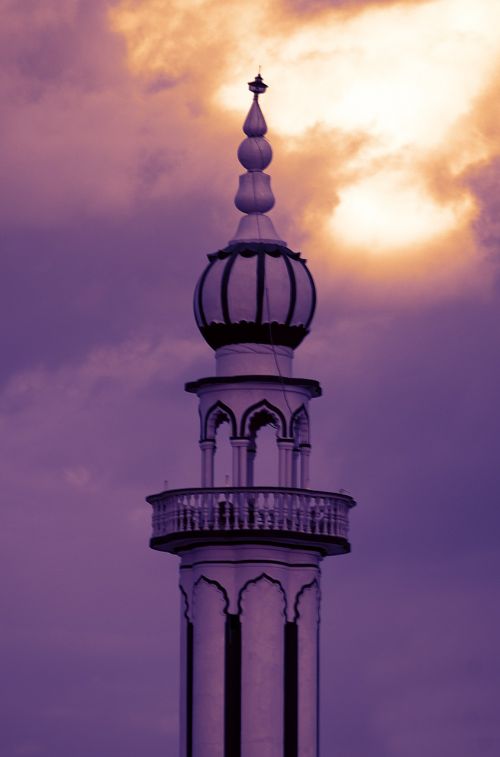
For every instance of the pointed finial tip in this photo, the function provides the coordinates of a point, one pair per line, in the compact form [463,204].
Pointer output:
[257,86]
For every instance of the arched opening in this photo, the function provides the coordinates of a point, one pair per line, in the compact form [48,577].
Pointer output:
[265,464]
[263,429]
[302,448]
[223,455]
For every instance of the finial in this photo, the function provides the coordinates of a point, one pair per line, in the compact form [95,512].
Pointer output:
[255,196]
[257,86]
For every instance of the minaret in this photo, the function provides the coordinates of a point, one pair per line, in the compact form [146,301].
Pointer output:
[250,554]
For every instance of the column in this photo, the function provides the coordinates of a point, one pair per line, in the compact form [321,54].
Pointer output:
[295,461]
[207,447]
[240,464]
[251,452]
[285,447]
[305,453]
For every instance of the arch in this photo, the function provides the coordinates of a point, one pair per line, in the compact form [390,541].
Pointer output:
[218,413]
[299,426]
[261,414]
[306,587]
[263,577]
[217,585]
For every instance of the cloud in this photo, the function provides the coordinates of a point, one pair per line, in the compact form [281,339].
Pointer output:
[377,115]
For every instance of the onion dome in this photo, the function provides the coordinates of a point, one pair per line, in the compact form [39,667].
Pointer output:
[256,289]
[260,293]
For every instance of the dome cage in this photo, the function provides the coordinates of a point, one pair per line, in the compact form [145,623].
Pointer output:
[255,292]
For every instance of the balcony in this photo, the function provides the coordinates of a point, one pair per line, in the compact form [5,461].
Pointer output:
[185,518]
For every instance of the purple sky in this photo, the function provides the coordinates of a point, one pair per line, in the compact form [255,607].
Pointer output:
[113,191]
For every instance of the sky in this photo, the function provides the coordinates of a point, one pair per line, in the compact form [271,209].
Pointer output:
[120,124]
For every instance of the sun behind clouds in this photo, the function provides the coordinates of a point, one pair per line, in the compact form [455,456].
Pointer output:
[407,79]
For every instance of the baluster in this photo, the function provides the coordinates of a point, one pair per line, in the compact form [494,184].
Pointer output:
[212,515]
[280,501]
[245,510]
[263,499]
[335,518]
[175,514]
[237,510]
[180,512]
[330,517]
[310,514]
[227,507]
[265,523]
[215,513]
[196,514]
[345,520]
[203,498]
[303,513]
[296,511]
[287,511]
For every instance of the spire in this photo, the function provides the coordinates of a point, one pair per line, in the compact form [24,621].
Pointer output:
[254,196]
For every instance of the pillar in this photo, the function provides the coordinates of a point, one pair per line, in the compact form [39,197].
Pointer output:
[240,462]
[286,447]
[207,447]
[305,453]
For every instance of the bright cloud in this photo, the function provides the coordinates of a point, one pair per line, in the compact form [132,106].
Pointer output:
[407,78]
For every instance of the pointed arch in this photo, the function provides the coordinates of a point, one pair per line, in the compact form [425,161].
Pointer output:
[263,577]
[218,413]
[218,586]
[312,584]
[261,414]
[299,426]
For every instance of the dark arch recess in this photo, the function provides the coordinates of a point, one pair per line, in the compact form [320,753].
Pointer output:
[223,408]
[296,414]
[262,405]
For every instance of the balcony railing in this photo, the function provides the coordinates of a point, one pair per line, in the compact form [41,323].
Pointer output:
[300,511]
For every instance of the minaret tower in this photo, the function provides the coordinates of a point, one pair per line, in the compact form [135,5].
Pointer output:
[250,554]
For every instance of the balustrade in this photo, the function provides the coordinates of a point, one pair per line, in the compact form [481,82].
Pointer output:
[251,509]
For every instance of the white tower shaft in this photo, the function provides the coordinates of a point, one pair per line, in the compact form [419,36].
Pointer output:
[250,641]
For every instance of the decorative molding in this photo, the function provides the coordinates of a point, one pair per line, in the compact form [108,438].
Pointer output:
[251,411]
[226,410]
[251,562]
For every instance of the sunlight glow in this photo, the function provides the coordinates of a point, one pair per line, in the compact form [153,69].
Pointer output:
[407,79]
[383,212]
